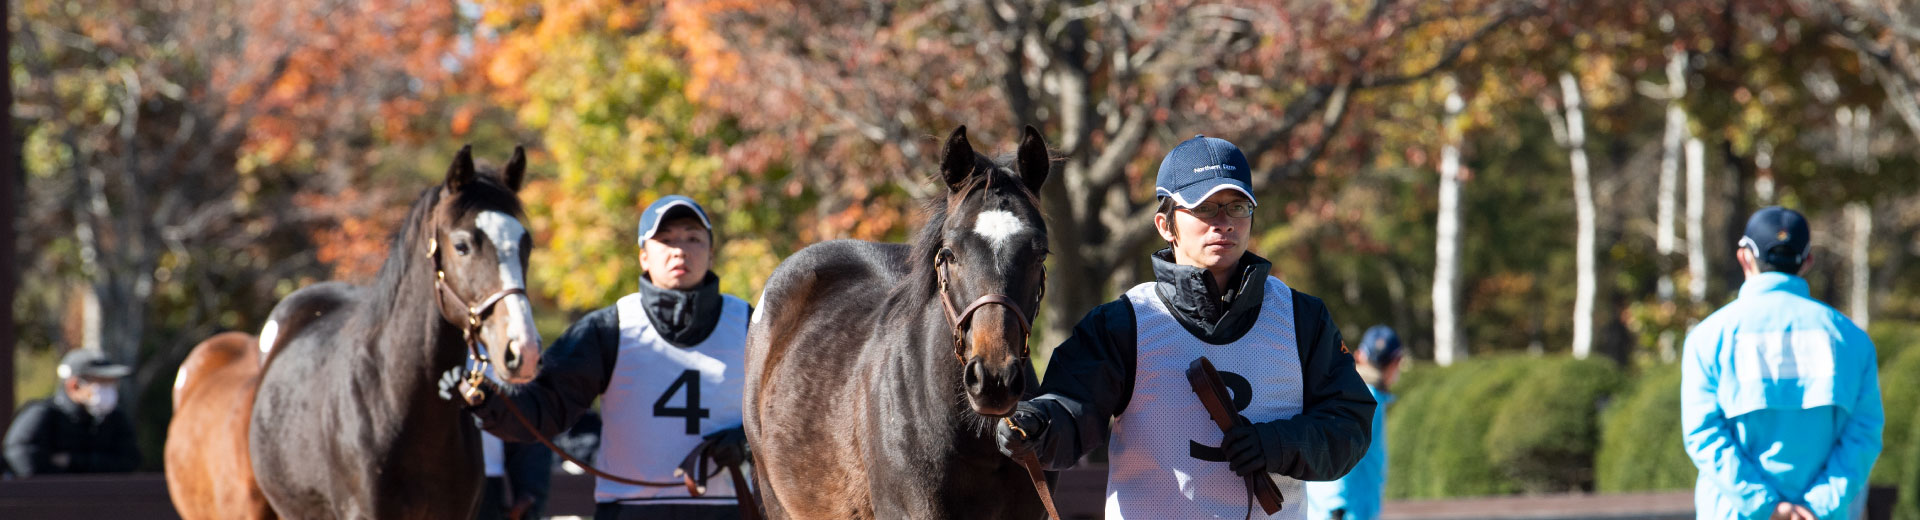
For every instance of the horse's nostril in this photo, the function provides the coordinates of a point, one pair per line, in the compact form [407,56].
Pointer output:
[973,375]
[512,361]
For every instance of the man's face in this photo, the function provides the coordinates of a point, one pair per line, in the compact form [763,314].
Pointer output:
[1212,243]
[82,388]
[678,255]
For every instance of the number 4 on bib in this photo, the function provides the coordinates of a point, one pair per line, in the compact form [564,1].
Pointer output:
[692,411]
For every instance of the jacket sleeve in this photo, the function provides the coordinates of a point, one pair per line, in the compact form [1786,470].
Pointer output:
[1844,478]
[1089,381]
[27,441]
[1709,436]
[1333,429]
[573,373]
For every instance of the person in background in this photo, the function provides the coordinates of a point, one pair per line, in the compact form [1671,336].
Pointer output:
[1779,393]
[1358,495]
[80,429]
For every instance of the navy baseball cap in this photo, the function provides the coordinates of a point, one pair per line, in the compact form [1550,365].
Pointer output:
[668,208]
[1380,345]
[1201,167]
[90,363]
[1777,235]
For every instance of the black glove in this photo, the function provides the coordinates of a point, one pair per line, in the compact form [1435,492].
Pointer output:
[1247,451]
[728,447]
[453,383]
[1031,420]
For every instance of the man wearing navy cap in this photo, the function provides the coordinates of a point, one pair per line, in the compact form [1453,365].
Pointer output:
[80,429]
[1779,393]
[1357,496]
[1121,378]
[667,363]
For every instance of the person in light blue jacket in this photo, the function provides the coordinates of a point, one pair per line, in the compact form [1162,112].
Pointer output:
[1780,394]
[1357,496]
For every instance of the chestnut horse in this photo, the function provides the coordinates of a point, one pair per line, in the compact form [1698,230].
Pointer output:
[871,394]
[209,473]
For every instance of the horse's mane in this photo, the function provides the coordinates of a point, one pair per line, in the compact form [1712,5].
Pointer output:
[409,239]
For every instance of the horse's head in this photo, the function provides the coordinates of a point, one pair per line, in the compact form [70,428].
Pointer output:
[480,252]
[989,264]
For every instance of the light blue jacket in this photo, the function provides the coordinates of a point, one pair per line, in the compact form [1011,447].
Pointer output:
[1779,401]
[1360,491]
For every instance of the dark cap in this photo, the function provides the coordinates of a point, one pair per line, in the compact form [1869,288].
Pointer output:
[1200,167]
[668,208]
[86,362]
[1777,235]
[1380,345]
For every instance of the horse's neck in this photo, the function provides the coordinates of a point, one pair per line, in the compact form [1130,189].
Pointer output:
[411,346]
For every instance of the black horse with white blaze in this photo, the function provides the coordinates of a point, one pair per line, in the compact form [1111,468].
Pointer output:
[874,371]
[347,422]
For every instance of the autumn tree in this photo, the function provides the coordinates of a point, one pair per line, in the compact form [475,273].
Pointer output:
[853,93]
[165,144]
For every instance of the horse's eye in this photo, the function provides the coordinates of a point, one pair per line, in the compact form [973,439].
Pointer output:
[462,248]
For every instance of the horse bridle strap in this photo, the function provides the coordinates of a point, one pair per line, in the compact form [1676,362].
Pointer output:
[959,319]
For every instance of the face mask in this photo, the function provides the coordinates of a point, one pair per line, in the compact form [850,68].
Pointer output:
[104,398]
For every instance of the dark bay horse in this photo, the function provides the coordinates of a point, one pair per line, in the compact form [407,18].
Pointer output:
[864,399]
[209,474]
[348,422]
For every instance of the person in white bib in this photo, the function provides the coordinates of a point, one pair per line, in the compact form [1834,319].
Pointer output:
[1304,413]
[667,364]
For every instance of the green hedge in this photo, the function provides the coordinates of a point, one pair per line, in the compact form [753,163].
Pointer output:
[1511,424]
[1640,444]
[1544,435]
[1496,425]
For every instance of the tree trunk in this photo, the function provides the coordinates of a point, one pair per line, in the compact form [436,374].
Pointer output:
[1585,283]
[1859,284]
[1671,145]
[1447,343]
[1696,220]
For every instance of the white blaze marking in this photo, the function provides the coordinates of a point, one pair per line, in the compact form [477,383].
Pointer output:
[267,336]
[505,232]
[997,226]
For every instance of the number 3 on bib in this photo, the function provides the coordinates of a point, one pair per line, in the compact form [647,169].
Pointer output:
[692,411]
[1242,395]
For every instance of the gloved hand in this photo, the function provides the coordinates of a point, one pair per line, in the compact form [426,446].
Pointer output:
[1031,420]
[729,446]
[1246,453]
[453,383]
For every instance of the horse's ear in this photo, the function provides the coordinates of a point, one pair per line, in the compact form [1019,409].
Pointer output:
[957,159]
[1034,162]
[516,170]
[461,171]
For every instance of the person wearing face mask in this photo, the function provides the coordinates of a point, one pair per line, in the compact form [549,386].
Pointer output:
[78,430]
[1120,379]
[667,363]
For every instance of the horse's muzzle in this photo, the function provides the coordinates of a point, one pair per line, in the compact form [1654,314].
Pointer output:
[992,391]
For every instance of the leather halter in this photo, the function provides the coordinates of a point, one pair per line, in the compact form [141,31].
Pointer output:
[470,330]
[959,320]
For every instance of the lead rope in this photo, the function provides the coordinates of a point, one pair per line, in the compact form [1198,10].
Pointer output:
[1032,463]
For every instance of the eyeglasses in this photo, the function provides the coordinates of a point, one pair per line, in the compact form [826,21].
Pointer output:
[1236,209]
